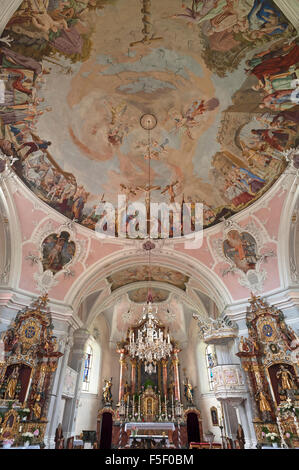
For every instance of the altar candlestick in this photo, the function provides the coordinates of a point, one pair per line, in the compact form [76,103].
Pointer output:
[159,407]
[133,407]
[165,409]
[172,408]
[139,418]
[128,402]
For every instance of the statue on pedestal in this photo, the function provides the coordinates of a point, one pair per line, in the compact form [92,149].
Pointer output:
[188,391]
[286,378]
[13,385]
[127,390]
[107,395]
[264,405]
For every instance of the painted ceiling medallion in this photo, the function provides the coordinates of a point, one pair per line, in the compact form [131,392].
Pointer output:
[148,122]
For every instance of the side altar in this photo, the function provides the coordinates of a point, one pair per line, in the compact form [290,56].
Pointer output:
[149,412]
[269,357]
[29,359]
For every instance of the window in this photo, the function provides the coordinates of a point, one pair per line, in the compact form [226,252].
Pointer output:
[211,362]
[87,368]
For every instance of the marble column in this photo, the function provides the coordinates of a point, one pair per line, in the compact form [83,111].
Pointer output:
[164,365]
[226,420]
[175,362]
[244,414]
[122,362]
[77,364]
[65,344]
[133,376]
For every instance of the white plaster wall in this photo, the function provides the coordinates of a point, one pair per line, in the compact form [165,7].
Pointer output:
[95,365]
[206,402]
[62,406]
[89,402]
[87,413]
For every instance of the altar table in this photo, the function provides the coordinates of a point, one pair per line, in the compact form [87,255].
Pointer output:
[150,430]
[151,426]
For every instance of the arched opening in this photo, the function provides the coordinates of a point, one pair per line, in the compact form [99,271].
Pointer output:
[193,428]
[106,431]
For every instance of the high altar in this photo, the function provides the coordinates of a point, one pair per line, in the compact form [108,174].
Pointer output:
[26,372]
[149,412]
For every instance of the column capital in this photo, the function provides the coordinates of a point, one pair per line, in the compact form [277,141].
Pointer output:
[121,351]
[175,361]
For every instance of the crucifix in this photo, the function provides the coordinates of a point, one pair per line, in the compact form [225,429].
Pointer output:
[147,189]
[148,37]
[169,189]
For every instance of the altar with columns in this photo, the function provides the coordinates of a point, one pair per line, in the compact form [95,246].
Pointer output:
[149,410]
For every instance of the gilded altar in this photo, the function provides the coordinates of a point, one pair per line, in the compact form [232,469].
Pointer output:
[268,357]
[149,404]
[30,359]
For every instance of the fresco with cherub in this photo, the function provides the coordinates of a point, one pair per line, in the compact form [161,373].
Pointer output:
[76,76]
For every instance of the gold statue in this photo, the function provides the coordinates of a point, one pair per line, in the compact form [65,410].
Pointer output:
[107,395]
[286,378]
[126,391]
[188,391]
[263,402]
[37,410]
[12,384]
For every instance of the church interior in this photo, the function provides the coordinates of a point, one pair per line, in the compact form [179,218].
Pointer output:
[149,228]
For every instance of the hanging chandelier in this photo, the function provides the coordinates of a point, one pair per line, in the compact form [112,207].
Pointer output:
[148,340]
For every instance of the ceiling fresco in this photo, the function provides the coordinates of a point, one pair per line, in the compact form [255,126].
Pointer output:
[220,76]
[147,273]
[140,295]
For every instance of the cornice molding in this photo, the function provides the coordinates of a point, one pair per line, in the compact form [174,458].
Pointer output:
[16,300]
[281,299]
[290,9]
[7,9]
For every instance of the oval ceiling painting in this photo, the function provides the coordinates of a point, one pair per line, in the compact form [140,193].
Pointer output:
[220,78]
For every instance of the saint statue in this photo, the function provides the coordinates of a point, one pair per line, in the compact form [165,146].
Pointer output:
[240,437]
[286,378]
[12,383]
[188,391]
[107,395]
[263,402]
[126,391]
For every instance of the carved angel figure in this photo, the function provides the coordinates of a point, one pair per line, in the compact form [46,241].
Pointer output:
[107,395]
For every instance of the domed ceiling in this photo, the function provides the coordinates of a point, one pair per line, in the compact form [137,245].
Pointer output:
[219,76]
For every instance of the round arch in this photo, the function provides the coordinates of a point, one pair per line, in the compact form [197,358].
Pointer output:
[89,281]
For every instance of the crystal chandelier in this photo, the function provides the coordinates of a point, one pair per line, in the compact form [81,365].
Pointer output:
[148,341]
